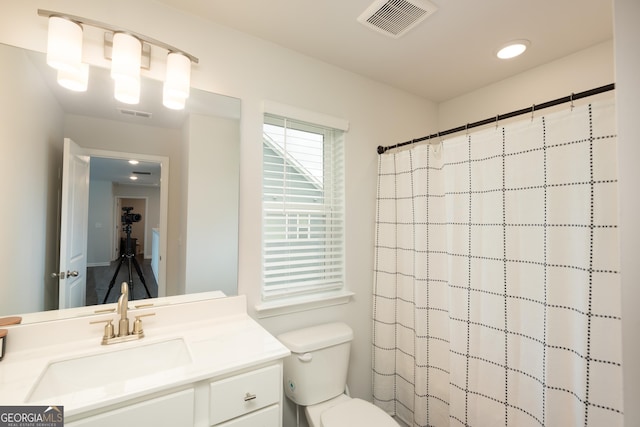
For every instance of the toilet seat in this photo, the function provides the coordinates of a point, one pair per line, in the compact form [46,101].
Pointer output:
[354,412]
[314,412]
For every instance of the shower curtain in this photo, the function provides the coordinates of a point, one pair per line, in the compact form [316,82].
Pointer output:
[496,287]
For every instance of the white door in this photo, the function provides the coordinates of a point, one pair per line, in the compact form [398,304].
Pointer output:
[73,226]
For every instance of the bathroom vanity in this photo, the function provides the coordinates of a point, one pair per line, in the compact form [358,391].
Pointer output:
[201,363]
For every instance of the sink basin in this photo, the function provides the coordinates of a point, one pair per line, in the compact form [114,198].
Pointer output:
[102,370]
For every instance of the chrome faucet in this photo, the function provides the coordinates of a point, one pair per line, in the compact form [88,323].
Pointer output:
[124,333]
[123,306]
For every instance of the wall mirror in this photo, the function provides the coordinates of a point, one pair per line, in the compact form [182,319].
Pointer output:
[37,116]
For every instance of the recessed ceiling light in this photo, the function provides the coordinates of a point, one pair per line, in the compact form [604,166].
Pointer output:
[133,178]
[513,49]
[133,162]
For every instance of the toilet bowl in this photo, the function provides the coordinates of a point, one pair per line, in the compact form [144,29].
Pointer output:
[315,376]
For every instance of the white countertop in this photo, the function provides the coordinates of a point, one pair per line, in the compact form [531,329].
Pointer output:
[221,338]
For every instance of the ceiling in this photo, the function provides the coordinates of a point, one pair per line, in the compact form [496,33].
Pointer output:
[120,171]
[450,53]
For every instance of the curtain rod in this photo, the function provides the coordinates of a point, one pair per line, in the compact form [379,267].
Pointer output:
[534,107]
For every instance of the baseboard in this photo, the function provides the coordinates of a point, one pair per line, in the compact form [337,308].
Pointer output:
[98,264]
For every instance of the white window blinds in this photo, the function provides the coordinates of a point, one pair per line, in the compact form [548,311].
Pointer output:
[303,208]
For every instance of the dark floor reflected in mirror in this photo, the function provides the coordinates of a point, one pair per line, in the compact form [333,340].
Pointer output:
[98,279]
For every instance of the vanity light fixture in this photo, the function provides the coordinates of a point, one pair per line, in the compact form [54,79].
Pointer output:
[76,80]
[64,53]
[127,90]
[128,51]
[126,58]
[64,43]
[177,81]
[513,49]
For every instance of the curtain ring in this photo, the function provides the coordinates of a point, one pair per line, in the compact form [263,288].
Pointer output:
[533,108]
[466,129]
[497,116]
[571,99]
[438,146]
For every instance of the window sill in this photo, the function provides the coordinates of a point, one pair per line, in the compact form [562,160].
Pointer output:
[302,303]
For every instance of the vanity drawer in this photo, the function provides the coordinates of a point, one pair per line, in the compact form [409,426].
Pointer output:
[241,394]
[267,417]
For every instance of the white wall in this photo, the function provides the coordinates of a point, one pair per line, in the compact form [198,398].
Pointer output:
[627,54]
[378,115]
[211,219]
[584,70]
[29,180]
[184,193]
[100,221]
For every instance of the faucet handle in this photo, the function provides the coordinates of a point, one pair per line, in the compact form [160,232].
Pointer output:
[108,329]
[137,324]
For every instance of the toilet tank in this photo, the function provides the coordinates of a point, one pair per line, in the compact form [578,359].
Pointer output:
[316,370]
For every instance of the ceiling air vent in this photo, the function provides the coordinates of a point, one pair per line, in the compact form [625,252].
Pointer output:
[395,17]
[135,113]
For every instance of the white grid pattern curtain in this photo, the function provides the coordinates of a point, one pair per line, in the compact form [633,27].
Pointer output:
[497,294]
[303,213]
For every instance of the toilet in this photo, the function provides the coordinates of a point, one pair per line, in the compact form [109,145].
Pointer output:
[315,376]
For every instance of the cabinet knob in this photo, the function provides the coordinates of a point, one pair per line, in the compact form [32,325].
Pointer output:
[248,396]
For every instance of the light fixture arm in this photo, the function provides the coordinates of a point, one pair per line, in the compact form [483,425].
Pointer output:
[113,28]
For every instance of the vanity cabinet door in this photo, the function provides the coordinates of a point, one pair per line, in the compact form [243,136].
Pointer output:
[244,393]
[172,410]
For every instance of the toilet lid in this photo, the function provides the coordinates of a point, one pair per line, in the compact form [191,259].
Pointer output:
[356,412]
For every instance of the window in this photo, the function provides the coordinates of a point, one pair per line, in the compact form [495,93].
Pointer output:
[303,208]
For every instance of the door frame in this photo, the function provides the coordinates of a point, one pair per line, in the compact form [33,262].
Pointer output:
[164,203]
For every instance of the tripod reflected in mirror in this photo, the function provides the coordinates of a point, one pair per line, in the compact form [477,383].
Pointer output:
[128,256]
